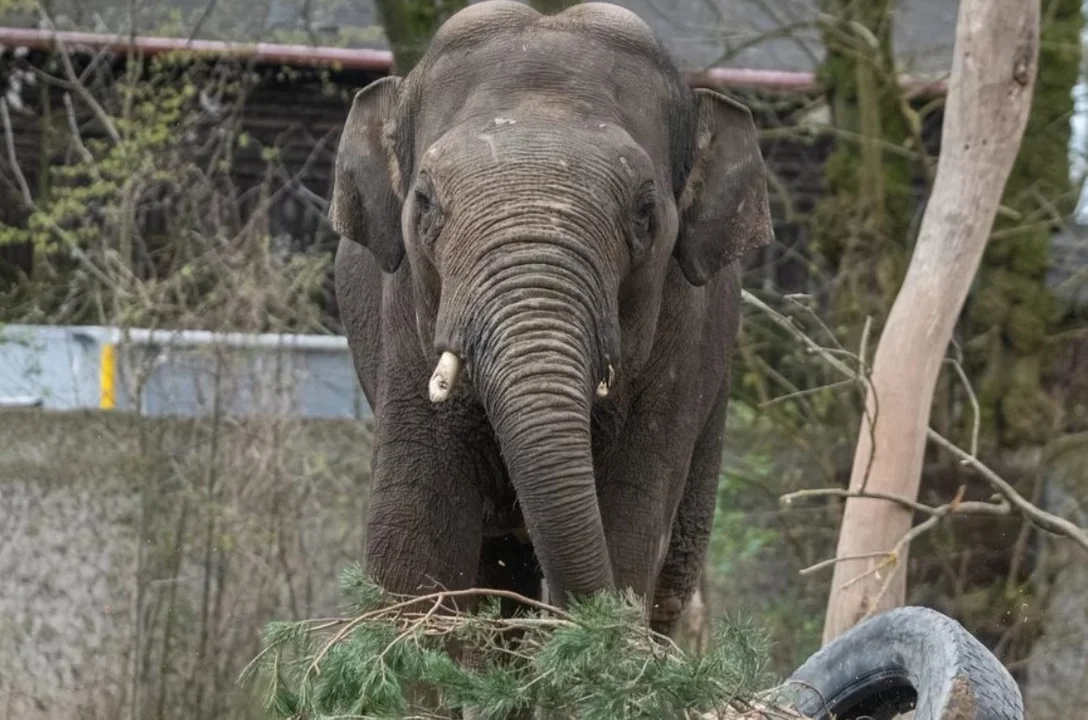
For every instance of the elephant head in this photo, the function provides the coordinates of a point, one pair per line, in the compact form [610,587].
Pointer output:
[539,178]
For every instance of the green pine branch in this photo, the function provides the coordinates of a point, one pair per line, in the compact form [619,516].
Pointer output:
[596,660]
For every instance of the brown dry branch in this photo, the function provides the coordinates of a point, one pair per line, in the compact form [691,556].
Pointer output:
[77,85]
[1010,501]
[891,559]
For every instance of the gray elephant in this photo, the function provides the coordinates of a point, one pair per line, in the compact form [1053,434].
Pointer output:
[538,276]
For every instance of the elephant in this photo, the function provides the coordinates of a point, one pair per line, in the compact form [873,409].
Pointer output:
[540,228]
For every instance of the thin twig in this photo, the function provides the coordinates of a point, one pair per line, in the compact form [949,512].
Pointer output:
[897,551]
[835,560]
[844,493]
[73,127]
[199,24]
[13,160]
[83,91]
[976,423]
[870,420]
[784,322]
[1042,519]
[65,236]
[804,393]
[437,597]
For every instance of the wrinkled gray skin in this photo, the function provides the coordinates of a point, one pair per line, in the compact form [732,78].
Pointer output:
[546,199]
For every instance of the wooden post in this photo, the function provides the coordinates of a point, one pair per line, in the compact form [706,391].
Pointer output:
[993,74]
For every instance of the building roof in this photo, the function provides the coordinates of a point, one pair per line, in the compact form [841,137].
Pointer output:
[768,35]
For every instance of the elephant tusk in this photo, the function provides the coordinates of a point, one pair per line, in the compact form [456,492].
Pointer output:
[604,386]
[444,377]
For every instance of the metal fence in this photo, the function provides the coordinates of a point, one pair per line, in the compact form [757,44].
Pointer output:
[186,373]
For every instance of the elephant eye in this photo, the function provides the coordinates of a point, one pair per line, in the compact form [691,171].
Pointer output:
[644,222]
[427,216]
[645,210]
[423,202]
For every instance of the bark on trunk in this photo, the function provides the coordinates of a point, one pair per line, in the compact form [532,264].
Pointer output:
[861,225]
[551,7]
[993,74]
[410,24]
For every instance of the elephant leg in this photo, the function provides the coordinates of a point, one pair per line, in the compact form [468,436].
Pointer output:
[691,528]
[424,520]
[639,487]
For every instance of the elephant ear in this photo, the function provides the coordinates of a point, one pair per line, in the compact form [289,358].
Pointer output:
[724,212]
[366,196]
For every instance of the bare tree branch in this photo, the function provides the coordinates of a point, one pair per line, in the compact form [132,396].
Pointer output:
[13,159]
[1042,519]
[81,89]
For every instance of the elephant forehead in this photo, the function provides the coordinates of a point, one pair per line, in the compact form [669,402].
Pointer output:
[615,21]
[511,142]
[481,22]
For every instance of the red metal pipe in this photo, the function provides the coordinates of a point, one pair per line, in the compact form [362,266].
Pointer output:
[382,60]
[348,58]
[793,81]
[783,81]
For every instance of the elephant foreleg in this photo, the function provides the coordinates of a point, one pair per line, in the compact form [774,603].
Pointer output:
[424,519]
[691,528]
[639,484]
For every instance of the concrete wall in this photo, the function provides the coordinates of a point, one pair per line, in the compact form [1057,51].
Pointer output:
[139,558]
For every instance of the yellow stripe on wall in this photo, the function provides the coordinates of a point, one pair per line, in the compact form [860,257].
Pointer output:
[106,373]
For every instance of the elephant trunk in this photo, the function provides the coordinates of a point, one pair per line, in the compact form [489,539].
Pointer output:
[542,343]
[537,394]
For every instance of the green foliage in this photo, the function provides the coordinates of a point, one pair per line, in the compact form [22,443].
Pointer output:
[143,224]
[17,6]
[100,179]
[756,547]
[597,660]
[1012,314]
[410,24]
[861,226]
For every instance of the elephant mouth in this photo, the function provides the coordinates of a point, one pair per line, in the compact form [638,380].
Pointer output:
[448,371]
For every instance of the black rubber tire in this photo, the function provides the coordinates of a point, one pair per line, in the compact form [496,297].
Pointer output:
[906,658]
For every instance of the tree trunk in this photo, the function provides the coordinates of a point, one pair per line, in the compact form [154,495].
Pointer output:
[861,225]
[410,24]
[551,7]
[989,99]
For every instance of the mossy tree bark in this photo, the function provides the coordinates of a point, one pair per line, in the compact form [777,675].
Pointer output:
[861,226]
[550,7]
[410,24]
[1013,311]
